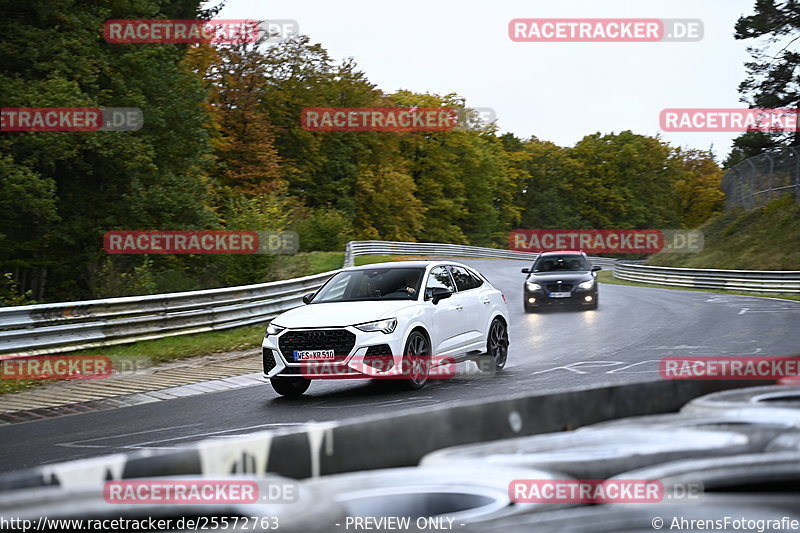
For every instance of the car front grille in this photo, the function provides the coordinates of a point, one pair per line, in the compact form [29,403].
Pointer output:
[340,341]
[559,287]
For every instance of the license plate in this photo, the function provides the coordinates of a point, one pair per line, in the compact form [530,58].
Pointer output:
[315,355]
[560,294]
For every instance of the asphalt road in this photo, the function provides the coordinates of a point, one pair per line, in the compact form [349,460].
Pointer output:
[620,342]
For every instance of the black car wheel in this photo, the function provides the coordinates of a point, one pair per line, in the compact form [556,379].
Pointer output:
[290,387]
[416,361]
[497,345]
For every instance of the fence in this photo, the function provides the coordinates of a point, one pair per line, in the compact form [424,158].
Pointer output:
[759,179]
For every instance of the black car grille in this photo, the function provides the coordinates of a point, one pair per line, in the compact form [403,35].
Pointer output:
[268,358]
[559,287]
[379,349]
[340,341]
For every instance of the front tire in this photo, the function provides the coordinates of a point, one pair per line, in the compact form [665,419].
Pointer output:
[290,387]
[416,360]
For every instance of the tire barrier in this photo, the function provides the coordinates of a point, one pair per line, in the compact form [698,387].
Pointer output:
[748,422]
[597,453]
[765,472]
[462,495]
[789,441]
[311,512]
[784,400]
[633,518]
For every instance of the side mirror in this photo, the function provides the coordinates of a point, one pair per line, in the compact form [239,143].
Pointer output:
[439,293]
[308,297]
[526,270]
[596,268]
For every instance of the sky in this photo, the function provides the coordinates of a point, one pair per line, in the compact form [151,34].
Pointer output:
[558,92]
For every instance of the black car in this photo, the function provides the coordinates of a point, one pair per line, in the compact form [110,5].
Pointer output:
[561,278]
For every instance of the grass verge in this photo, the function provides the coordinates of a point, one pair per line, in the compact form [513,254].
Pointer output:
[767,238]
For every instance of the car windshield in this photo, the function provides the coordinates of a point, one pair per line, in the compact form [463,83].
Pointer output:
[560,263]
[372,284]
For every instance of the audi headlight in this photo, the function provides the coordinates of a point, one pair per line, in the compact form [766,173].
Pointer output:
[274,329]
[586,284]
[387,325]
[533,286]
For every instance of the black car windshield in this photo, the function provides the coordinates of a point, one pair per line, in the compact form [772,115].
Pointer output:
[561,263]
[372,284]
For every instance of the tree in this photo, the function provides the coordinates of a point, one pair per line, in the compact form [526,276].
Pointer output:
[773,75]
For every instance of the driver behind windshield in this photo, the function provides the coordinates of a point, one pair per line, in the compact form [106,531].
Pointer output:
[408,284]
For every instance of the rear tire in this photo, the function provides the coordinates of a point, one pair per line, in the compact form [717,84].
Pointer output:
[416,366]
[290,387]
[496,346]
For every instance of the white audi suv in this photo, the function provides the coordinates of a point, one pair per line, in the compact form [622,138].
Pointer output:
[397,320]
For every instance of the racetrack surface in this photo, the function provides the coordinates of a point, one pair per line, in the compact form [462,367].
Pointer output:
[620,342]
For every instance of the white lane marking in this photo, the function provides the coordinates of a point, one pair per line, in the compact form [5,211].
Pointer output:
[226,433]
[583,364]
[386,403]
[76,443]
[743,311]
[656,371]
[212,434]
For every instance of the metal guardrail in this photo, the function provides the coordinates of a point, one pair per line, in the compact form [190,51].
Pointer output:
[58,327]
[432,249]
[356,248]
[761,281]
[51,328]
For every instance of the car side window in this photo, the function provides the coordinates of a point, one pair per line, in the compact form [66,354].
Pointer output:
[439,277]
[464,280]
[478,281]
